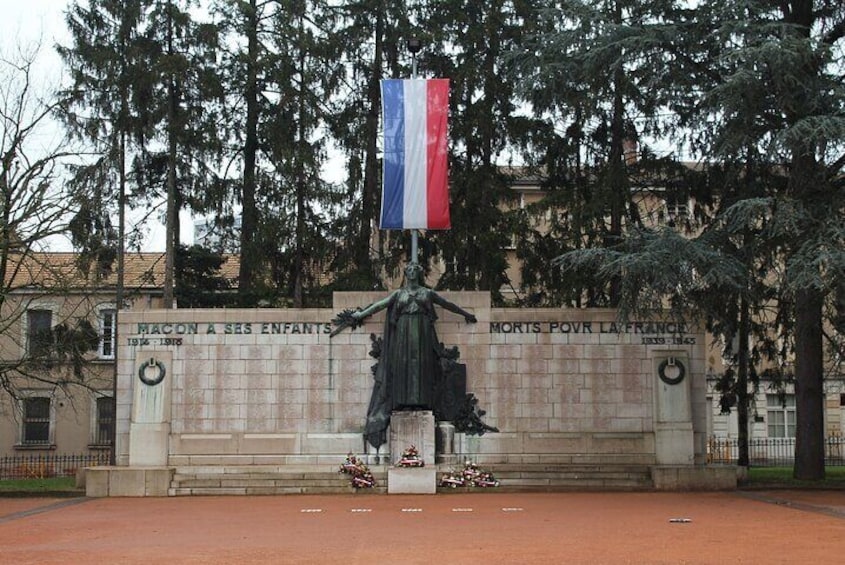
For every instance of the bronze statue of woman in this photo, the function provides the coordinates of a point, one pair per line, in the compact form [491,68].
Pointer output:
[409,364]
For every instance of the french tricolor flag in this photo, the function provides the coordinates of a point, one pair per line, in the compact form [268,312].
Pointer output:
[416,180]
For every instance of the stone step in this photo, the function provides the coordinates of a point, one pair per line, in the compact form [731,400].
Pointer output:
[272,490]
[286,469]
[544,478]
[528,487]
[573,469]
[267,480]
[325,479]
[181,474]
[570,475]
[571,460]
[308,477]
[234,460]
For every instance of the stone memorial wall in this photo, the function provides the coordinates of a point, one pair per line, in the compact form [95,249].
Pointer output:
[268,386]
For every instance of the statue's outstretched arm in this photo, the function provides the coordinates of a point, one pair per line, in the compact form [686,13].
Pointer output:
[372,308]
[439,300]
[353,319]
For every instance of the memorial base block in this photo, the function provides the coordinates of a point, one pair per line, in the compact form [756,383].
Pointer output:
[409,480]
[127,481]
[689,477]
[148,444]
[415,427]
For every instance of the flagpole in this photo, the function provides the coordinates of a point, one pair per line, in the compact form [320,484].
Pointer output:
[414,45]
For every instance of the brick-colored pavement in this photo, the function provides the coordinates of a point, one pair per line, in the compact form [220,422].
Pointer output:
[734,527]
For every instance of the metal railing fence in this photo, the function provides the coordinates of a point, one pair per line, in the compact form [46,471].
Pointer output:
[771,452]
[47,466]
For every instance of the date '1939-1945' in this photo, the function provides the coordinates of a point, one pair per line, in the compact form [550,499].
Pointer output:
[657,340]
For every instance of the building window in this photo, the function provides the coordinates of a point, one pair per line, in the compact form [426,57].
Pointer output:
[35,425]
[39,336]
[780,414]
[103,423]
[107,327]
[677,210]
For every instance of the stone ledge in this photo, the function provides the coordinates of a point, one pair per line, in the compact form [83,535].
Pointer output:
[688,477]
[402,480]
[127,481]
[332,459]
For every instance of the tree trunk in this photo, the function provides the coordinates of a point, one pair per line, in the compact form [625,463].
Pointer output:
[742,396]
[807,186]
[249,214]
[486,277]
[369,198]
[301,184]
[5,228]
[170,214]
[809,389]
[121,229]
[121,279]
[617,188]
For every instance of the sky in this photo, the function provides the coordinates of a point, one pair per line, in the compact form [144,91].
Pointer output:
[25,23]
[32,18]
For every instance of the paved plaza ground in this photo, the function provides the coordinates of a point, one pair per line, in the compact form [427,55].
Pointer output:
[725,527]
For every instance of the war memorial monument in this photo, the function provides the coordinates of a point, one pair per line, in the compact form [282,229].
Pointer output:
[217,390]
[264,401]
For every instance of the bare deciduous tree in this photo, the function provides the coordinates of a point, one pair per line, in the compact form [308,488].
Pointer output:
[36,206]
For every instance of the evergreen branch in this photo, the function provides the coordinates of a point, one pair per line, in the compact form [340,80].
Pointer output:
[345,320]
[835,33]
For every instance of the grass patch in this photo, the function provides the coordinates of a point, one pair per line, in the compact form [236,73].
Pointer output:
[782,476]
[38,486]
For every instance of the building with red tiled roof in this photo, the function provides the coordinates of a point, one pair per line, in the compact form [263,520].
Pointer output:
[56,397]
[57,348]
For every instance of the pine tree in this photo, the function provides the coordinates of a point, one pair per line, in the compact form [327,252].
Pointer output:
[280,72]
[184,108]
[758,90]
[304,71]
[106,108]
[371,36]
[594,76]
[242,68]
[785,97]
[468,43]
[744,179]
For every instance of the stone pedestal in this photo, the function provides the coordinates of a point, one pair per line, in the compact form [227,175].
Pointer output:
[149,428]
[411,480]
[689,477]
[148,444]
[673,443]
[445,443]
[412,428]
[673,430]
[127,481]
[406,429]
